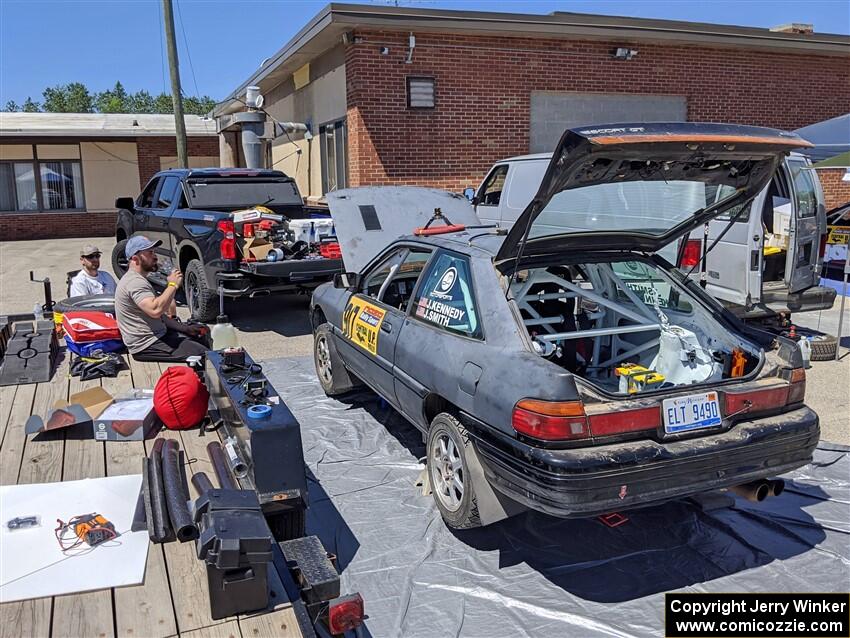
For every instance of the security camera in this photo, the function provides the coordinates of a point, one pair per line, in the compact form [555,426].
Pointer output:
[622,53]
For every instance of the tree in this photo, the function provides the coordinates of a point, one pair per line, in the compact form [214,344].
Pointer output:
[68,98]
[140,102]
[30,106]
[11,107]
[198,105]
[114,101]
[163,104]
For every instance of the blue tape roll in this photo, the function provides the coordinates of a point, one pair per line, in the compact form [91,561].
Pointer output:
[259,412]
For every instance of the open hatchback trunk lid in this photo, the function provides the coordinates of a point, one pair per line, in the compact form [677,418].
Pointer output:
[368,219]
[642,186]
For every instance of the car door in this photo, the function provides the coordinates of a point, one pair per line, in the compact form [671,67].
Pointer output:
[160,217]
[488,198]
[733,266]
[801,265]
[373,317]
[434,346]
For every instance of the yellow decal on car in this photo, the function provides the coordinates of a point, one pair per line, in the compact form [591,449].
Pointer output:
[361,322]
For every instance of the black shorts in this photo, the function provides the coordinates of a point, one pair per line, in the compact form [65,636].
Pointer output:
[172,346]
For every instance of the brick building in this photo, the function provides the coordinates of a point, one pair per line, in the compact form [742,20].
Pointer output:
[397,95]
[61,172]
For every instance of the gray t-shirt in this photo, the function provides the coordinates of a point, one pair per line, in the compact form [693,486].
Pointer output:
[138,330]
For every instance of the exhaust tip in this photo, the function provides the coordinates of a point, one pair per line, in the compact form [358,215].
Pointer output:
[777,486]
[762,491]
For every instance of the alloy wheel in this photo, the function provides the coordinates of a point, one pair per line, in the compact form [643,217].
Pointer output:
[323,360]
[447,472]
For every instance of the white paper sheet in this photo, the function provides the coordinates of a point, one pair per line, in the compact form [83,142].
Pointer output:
[32,564]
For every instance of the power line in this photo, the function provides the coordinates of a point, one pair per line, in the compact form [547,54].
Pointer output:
[188,53]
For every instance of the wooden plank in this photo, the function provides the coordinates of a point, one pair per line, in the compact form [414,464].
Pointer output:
[15,439]
[41,463]
[7,398]
[144,610]
[188,575]
[88,613]
[281,623]
[228,629]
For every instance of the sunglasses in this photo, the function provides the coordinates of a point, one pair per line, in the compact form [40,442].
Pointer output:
[92,256]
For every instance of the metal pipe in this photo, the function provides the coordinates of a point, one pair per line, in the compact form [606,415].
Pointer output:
[237,465]
[175,497]
[755,491]
[777,486]
[600,332]
[543,320]
[202,483]
[222,472]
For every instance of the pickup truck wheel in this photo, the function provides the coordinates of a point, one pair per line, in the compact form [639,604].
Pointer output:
[451,483]
[333,376]
[120,263]
[199,296]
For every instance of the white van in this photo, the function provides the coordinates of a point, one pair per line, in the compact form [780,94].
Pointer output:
[766,262]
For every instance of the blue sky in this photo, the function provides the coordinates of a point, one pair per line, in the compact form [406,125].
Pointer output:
[43,43]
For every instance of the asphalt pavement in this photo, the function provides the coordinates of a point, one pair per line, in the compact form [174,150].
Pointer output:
[279,326]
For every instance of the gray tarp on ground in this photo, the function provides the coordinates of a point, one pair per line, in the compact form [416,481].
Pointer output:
[536,575]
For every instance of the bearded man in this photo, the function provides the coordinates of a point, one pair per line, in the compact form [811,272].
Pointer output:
[147,321]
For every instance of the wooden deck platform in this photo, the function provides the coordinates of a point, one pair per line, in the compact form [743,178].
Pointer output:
[173,600]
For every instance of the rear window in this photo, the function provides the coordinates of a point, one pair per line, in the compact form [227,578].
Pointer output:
[242,193]
[446,299]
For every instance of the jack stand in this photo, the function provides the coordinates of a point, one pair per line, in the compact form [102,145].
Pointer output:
[47,308]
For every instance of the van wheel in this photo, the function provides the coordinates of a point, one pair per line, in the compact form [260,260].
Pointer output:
[120,263]
[199,296]
[333,376]
[448,447]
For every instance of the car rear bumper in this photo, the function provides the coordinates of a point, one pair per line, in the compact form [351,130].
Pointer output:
[596,480]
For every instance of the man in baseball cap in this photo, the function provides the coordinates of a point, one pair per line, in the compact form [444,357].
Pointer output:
[91,280]
[147,321]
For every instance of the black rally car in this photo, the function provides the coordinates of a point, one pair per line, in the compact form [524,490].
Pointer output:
[566,366]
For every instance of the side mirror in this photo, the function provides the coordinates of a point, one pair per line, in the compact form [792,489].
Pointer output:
[125,203]
[347,280]
[469,193]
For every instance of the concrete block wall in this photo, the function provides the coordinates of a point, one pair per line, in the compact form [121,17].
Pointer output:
[483,87]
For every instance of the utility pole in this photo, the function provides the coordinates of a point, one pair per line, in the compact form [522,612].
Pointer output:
[176,95]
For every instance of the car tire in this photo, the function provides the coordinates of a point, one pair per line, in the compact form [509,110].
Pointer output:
[823,345]
[333,376]
[120,263]
[200,297]
[448,447]
[101,303]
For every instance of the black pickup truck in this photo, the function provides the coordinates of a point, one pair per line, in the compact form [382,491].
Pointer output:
[192,212]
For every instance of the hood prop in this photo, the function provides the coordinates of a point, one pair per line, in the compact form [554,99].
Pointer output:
[447,227]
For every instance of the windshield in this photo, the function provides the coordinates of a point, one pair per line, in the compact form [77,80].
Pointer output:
[235,194]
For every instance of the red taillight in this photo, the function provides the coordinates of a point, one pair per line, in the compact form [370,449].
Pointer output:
[330,250]
[228,242]
[345,613]
[690,256]
[551,420]
[622,421]
[787,391]
[248,230]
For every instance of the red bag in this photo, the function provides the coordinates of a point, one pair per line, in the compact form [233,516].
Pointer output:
[85,326]
[180,399]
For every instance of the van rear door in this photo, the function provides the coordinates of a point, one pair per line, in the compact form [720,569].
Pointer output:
[733,267]
[806,225]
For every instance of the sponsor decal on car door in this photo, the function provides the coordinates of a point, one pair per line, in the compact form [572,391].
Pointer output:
[361,323]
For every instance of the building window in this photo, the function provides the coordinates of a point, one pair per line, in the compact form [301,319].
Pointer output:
[420,93]
[48,185]
[333,138]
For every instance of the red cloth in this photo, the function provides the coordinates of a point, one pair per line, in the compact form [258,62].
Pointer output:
[180,399]
[85,326]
